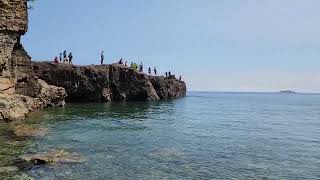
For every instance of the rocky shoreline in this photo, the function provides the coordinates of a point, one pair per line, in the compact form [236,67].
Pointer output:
[27,86]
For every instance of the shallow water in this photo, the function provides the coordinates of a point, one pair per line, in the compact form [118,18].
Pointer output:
[202,136]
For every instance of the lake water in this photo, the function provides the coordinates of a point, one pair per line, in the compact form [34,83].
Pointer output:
[201,136]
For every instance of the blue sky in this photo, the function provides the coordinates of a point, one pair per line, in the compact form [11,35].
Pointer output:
[217,45]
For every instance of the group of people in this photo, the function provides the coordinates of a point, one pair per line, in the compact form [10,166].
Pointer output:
[137,67]
[168,74]
[66,59]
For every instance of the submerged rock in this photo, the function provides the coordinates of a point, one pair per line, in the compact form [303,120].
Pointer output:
[108,82]
[54,156]
[8,169]
[26,131]
[167,154]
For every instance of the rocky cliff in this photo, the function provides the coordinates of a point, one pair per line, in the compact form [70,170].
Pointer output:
[20,90]
[24,88]
[108,82]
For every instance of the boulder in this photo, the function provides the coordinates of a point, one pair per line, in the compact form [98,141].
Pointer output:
[16,107]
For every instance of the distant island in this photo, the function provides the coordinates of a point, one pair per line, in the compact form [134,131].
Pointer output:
[288,92]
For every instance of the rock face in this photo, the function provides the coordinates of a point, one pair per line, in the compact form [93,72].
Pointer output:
[16,107]
[21,91]
[13,24]
[108,83]
[14,15]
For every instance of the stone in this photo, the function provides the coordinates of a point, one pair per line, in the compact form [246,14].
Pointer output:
[6,86]
[23,176]
[16,107]
[54,156]
[8,169]
[29,131]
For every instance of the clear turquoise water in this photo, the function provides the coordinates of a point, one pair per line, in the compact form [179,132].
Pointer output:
[202,136]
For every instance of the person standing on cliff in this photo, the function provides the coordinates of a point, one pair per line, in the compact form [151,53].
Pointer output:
[155,70]
[102,57]
[65,60]
[64,54]
[166,74]
[169,73]
[141,67]
[70,58]
[60,58]
[149,70]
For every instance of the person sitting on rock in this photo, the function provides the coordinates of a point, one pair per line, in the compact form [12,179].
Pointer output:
[70,58]
[121,61]
[155,70]
[55,61]
[149,70]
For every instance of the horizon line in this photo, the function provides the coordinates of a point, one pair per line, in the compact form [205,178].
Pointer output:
[270,92]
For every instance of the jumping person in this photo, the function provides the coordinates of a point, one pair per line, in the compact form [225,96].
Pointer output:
[70,58]
[102,57]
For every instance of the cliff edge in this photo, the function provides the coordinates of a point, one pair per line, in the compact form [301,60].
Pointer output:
[105,83]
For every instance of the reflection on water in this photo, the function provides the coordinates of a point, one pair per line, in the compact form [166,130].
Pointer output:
[202,136]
